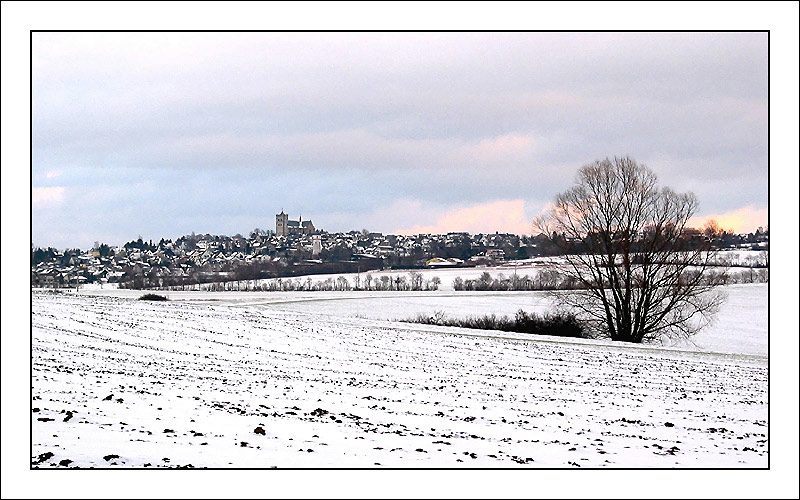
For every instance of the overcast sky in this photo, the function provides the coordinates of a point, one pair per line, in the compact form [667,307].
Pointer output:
[162,134]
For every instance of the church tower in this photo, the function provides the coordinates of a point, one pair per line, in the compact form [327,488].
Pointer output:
[316,244]
[281,224]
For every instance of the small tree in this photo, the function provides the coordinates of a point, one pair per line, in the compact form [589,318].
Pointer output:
[415,278]
[623,245]
[368,279]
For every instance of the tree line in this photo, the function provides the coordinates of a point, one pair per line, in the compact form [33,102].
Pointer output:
[414,281]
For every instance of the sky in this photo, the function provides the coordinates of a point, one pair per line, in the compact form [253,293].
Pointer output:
[163,134]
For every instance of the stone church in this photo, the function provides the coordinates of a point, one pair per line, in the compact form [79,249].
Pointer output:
[285,227]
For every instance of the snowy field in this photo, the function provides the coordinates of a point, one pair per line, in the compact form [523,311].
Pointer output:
[740,326]
[226,379]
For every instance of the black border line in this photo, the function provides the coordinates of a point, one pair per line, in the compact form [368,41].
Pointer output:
[526,469]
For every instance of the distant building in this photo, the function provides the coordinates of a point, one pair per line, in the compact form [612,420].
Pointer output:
[316,244]
[495,253]
[285,227]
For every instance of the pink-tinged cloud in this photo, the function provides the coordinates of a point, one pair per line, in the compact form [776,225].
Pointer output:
[744,220]
[502,149]
[43,196]
[505,216]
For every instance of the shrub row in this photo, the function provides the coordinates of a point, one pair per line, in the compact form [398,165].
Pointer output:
[556,324]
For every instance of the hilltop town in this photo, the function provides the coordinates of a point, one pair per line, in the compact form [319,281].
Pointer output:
[294,248]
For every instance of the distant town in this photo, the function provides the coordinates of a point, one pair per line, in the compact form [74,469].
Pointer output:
[296,248]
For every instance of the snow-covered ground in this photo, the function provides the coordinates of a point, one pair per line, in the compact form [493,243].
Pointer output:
[739,328]
[212,379]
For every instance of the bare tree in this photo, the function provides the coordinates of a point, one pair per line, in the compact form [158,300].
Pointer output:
[624,247]
[342,283]
[712,229]
[415,277]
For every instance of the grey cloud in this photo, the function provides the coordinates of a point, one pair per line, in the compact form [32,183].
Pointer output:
[347,123]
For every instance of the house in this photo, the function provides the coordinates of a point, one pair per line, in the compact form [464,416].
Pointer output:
[495,253]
